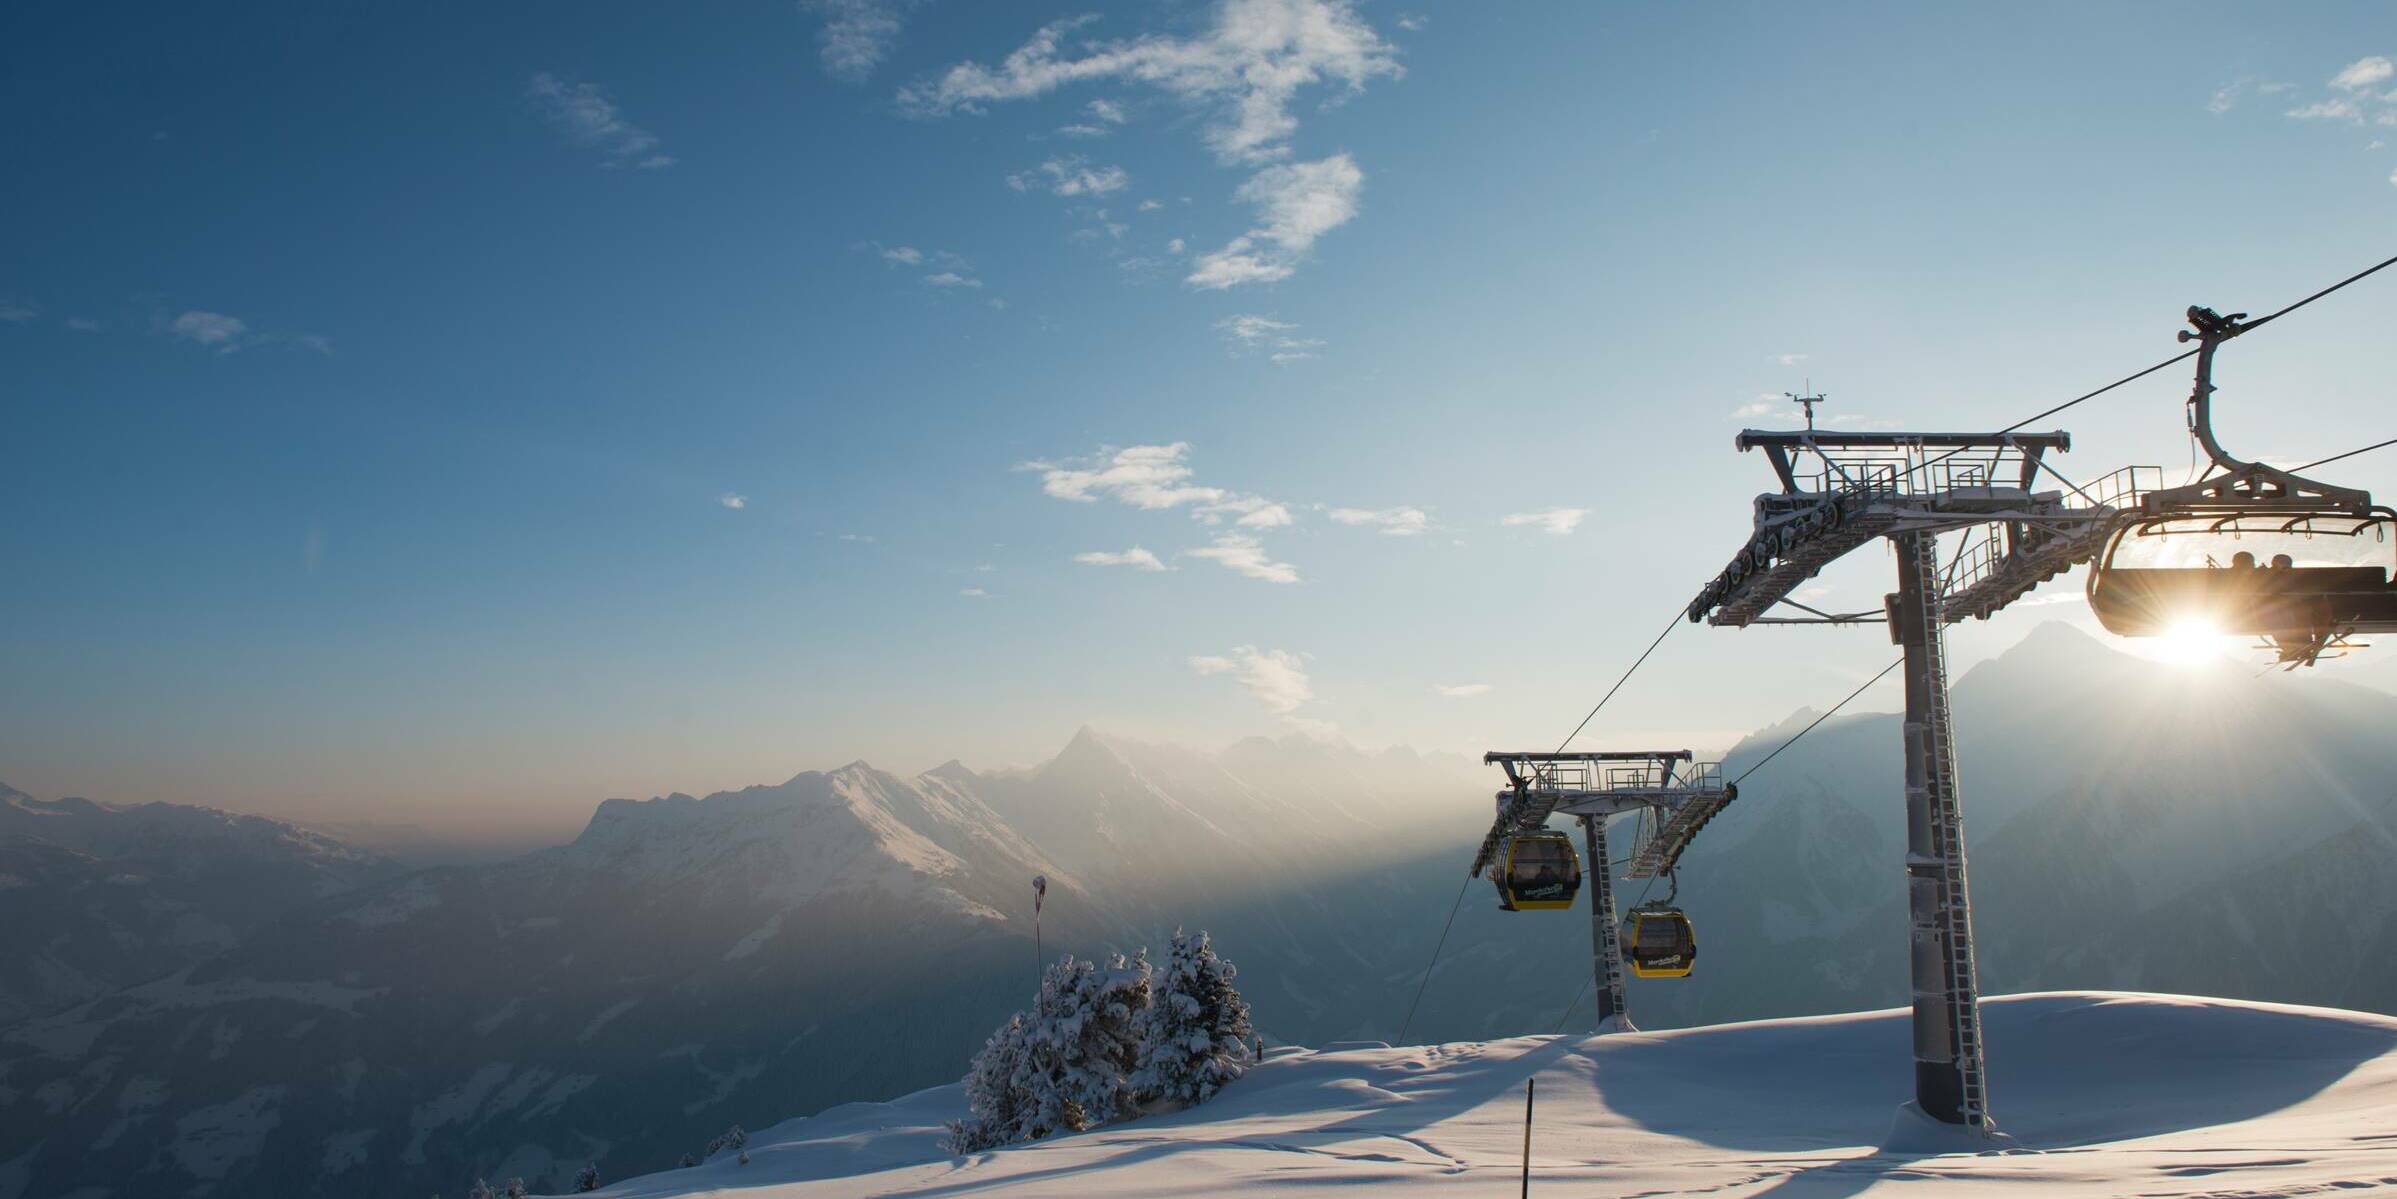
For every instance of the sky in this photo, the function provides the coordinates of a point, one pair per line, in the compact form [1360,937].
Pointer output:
[460,414]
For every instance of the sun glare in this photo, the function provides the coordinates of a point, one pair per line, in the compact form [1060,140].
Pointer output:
[2190,643]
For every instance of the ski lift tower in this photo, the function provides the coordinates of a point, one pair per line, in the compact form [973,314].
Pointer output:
[1840,491]
[1680,793]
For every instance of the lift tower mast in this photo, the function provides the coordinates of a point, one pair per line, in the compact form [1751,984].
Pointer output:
[1842,490]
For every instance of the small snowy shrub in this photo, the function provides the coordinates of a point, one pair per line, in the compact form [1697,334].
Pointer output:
[587,1179]
[1194,1034]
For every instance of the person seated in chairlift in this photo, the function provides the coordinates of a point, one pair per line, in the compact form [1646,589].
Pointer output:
[2244,561]
[2283,562]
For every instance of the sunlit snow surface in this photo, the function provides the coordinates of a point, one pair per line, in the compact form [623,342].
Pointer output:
[2099,1093]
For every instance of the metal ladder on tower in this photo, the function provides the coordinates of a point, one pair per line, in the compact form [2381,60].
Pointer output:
[1962,976]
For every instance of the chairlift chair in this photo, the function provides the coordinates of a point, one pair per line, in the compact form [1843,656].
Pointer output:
[1537,872]
[2249,548]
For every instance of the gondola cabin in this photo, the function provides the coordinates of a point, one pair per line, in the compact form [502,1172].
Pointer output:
[2302,584]
[1659,943]
[1538,872]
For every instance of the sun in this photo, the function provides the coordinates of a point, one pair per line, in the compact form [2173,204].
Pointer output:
[2190,642]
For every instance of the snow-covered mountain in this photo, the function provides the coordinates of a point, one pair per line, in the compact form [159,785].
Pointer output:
[688,963]
[2098,1095]
[95,897]
[681,964]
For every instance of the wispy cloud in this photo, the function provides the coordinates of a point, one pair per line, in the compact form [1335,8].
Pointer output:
[903,256]
[1245,555]
[587,117]
[1789,359]
[1070,175]
[1251,333]
[1462,690]
[1555,521]
[1154,477]
[1136,558]
[2364,73]
[1277,678]
[1296,204]
[1765,404]
[857,34]
[2355,99]
[973,592]
[16,313]
[1391,522]
[213,329]
[952,279]
[1249,67]
[732,500]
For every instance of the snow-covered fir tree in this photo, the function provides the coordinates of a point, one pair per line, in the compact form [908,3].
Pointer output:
[1194,1034]
[996,1097]
[731,1138]
[1080,1046]
[587,1179]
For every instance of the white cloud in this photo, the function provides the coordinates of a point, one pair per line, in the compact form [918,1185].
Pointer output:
[1251,329]
[1392,522]
[1277,678]
[588,118]
[1765,404]
[1789,359]
[1149,205]
[857,35]
[1296,203]
[1248,67]
[1106,112]
[1413,22]
[1144,476]
[209,328]
[952,279]
[1071,176]
[1556,521]
[1176,246]
[1462,690]
[972,592]
[1248,511]
[903,256]
[2364,72]
[1136,557]
[2392,183]
[17,314]
[858,537]
[2339,109]
[1245,555]
[733,500]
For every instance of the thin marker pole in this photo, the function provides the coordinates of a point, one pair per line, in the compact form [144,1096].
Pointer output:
[1528,1084]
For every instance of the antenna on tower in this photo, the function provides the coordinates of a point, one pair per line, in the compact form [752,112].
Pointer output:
[1806,401]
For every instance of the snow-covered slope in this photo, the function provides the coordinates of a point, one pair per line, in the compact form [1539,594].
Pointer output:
[2101,1094]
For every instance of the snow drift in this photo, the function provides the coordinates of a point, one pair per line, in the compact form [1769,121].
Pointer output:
[2098,1094]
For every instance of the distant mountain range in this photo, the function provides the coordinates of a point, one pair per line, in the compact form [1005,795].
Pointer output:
[688,963]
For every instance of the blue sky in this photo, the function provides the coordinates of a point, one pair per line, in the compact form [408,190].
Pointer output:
[462,415]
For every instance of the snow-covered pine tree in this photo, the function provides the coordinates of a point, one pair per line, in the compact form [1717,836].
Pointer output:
[995,1098]
[515,1190]
[1194,1035]
[587,1179]
[1080,1047]
[730,1138]
[481,1190]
